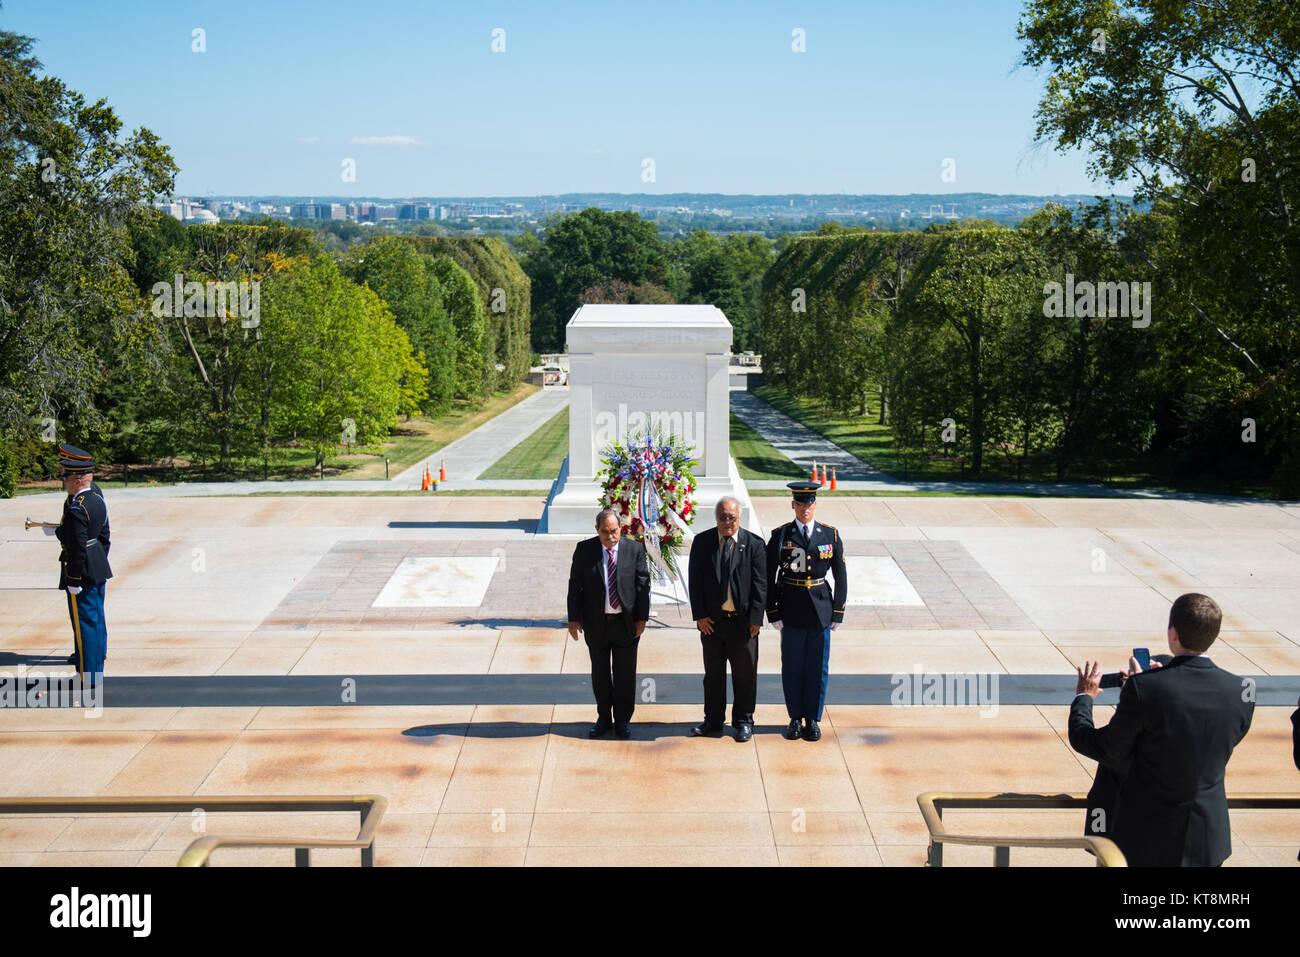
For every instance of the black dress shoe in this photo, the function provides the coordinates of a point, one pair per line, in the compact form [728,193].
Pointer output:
[812,731]
[707,730]
[791,733]
[599,728]
[744,732]
[623,730]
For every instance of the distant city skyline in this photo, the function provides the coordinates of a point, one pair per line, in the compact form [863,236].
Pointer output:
[343,100]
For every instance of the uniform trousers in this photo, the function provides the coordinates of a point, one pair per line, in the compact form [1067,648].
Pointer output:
[805,659]
[88,619]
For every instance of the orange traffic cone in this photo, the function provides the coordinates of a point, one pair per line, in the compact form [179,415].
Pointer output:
[442,471]
[425,478]
[813,476]
[834,484]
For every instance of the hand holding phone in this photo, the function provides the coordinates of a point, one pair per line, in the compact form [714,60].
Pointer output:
[1142,659]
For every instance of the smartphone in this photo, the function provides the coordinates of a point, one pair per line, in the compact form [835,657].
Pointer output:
[1143,656]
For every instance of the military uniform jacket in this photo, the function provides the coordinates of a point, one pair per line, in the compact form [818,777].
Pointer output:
[798,592]
[83,534]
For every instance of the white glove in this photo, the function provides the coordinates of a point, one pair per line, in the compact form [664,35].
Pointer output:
[49,529]
[74,589]
[834,625]
[778,624]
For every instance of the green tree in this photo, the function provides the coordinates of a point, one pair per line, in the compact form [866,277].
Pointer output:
[583,250]
[1200,105]
[224,393]
[618,292]
[69,181]
[347,369]
[408,283]
[475,369]
[973,284]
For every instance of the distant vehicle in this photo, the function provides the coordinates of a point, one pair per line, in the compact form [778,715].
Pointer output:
[554,375]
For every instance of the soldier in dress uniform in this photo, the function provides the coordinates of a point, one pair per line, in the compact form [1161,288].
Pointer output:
[69,452]
[84,570]
[801,605]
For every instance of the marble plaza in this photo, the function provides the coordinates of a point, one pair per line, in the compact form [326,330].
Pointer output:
[472,705]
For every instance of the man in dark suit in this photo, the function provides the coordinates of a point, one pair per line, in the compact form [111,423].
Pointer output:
[609,599]
[1295,741]
[1174,730]
[801,605]
[1295,735]
[1105,782]
[728,587]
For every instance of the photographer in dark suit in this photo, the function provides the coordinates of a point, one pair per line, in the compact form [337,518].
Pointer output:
[609,599]
[1106,780]
[1171,737]
[728,588]
[1295,736]
[1295,741]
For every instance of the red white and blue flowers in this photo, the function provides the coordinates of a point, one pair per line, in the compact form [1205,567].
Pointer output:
[649,484]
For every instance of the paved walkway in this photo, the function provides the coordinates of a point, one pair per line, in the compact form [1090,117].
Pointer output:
[801,444]
[472,454]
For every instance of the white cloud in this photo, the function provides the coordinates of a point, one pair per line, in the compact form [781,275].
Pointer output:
[398,140]
[309,139]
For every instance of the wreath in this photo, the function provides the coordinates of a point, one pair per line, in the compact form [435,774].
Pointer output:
[649,483]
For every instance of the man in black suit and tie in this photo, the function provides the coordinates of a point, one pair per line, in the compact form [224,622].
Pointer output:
[609,599]
[1105,782]
[1173,733]
[728,586]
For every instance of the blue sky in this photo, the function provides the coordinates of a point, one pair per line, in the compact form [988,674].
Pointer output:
[584,92]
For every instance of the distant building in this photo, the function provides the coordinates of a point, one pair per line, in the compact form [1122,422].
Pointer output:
[414,211]
[470,210]
[314,210]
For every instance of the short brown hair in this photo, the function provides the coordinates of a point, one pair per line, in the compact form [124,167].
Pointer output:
[1196,619]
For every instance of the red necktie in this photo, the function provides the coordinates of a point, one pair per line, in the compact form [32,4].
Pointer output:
[611,576]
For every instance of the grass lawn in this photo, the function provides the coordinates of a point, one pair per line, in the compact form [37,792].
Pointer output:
[540,455]
[861,436]
[408,443]
[757,458]
[537,457]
